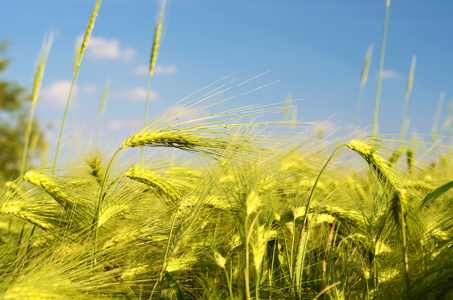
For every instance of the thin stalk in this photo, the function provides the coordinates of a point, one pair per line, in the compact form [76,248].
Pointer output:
[230,287]
[435,132]
[410,82]
[164,263]
[34,98]
[248,233]
[101,112]
[381,67]
[152,61]
[78,58]
[101,199]
[363,80]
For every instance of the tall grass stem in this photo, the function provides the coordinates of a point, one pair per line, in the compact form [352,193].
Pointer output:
[381,68]
[77,59]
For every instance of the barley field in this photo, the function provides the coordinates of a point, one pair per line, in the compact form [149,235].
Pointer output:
[226,206]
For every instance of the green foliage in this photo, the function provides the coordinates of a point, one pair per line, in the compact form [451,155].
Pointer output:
[14,102]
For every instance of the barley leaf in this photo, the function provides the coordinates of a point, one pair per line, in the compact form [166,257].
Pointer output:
[436,194]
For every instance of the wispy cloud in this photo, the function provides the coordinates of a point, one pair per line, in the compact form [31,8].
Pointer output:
[390,74]
[169,69]
[137,94]
[102,48]
[120,124]
[89,89]
[57,93]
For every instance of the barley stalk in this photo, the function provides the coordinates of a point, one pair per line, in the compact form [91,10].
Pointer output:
[381,67]
[77,61]
[410,83]
[152,61]
[435,132]
[101,111]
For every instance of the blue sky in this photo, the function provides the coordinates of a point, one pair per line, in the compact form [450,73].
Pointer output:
[315,49]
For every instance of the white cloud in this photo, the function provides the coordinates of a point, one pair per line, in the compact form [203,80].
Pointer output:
[169,69]
[136,94]
[89,89]
[101,48]
[57,93]
[390,74]
[120,124]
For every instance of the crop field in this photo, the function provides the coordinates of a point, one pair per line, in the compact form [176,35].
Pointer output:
[227,206]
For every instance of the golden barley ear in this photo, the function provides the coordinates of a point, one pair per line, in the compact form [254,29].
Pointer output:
[45,183]
[96,169]
[376,163]
[160,185]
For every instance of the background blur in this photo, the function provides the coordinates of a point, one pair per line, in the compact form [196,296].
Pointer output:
[315,49]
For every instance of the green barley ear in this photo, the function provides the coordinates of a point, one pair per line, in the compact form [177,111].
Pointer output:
[410,159]
[157,36]
[376,163]
[86,37]
[45,183]
[363,80]
[77,59]
[96,169]
[160,185]
[39,73]
[381,67]
[397,209]
[410,82]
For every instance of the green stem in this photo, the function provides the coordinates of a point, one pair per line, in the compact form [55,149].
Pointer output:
[164,263]
[230,287]
[27,139]
[101,199]
[381,67]
[63,122]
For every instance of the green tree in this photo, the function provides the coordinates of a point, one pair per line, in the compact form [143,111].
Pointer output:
[14,107]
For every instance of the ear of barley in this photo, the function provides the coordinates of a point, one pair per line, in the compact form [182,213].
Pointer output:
[176,139]
[15,210]
[86,37]
[397,209]
[112,211]
[45,183]
[96,169]
[39,73]
[151,179]
[376,163]
[157,36]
